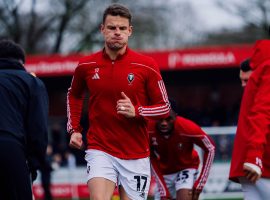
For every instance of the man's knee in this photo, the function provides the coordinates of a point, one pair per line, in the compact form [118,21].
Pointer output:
[95,196]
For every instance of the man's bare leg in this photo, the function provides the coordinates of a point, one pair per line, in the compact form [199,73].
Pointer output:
[123,194]
[184,194]
[100,188]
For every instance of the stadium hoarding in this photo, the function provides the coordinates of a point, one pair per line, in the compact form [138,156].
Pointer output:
[52,65]
[202,57]
[70,183]
[178,59]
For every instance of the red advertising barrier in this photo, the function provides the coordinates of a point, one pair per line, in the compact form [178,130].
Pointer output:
[74,190]
[63,191]
[179,59]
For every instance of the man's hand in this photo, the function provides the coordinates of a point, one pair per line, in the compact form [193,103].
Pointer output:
[76,141]
[125,107]
[251,174]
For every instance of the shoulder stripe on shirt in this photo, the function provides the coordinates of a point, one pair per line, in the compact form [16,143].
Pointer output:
[208,162]
[87,63]
[164,92]
[148,68]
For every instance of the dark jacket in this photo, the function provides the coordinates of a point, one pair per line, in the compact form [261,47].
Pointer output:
[23,110]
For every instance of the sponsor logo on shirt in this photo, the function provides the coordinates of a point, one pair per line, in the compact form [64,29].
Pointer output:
[142,195]
[96,76]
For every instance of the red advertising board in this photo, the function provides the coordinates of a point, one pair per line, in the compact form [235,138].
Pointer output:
[68,190]
[179,59]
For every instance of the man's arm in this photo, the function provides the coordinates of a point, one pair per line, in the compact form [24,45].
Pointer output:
[206,143]
[37,126]
[197,136]
[154,159]
[159,106]
[75,99]
[161,185]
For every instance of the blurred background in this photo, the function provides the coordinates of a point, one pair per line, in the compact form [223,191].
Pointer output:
[198,45]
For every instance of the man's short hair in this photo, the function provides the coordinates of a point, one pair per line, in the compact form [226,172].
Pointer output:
[117,10]
[11,50]
[244,66]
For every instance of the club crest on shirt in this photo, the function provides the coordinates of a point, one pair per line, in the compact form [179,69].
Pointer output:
[180,145]
[130,78]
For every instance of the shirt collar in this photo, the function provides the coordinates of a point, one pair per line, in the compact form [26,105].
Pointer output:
[119,57]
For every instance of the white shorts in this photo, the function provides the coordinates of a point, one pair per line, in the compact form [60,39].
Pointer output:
[181,180]
[259,191]
[133,175]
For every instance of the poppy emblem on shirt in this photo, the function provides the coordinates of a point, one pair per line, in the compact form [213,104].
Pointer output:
[130,78]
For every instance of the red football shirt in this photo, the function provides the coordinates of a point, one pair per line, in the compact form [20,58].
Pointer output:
[176,152]
[136,75]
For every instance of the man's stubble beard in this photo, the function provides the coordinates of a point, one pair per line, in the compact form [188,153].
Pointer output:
[115,46]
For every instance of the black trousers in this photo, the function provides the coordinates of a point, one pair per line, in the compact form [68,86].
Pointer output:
[15,183]
[46,182]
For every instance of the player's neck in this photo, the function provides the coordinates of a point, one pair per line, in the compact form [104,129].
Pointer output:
[114,54]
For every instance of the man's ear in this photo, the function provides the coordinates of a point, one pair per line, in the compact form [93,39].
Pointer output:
[102,28]
[130,30]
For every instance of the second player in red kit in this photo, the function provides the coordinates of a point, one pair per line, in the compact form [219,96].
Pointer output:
[174,160]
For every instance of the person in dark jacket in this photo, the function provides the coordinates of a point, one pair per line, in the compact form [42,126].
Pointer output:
[23,124]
